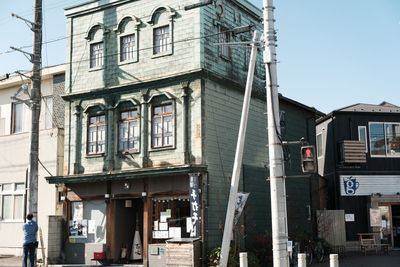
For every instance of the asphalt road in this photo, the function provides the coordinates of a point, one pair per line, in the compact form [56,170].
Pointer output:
[352,259]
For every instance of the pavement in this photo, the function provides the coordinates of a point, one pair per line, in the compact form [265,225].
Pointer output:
[352,259]
[356,259]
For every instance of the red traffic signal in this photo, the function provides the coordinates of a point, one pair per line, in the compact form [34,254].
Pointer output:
[308,160]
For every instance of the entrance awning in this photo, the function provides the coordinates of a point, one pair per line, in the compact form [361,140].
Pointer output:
[126,175]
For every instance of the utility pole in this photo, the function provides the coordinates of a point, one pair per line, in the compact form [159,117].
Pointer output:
[35,101]
[230,213]
[276,161]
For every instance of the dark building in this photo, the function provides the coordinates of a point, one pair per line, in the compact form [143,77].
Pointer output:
[358,150]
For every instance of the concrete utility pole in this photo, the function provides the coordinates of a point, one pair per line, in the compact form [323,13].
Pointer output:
[230,213]
[35,108]
[276,161]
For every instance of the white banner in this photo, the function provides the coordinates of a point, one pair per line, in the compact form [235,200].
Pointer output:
[365,185]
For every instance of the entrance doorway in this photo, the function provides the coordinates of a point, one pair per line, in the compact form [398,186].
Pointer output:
[396,225]
[128,216]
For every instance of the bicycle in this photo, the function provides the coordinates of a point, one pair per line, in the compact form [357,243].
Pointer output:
[312,249]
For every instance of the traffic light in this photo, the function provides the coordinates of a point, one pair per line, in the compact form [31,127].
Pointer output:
[308,160]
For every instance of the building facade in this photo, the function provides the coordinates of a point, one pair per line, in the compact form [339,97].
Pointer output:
[152,101]
[359,157]
[15,122]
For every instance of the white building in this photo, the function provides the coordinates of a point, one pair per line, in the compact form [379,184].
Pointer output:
[15,122]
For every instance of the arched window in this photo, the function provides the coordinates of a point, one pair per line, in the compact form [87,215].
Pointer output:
[128,39]
[128,126]
[162,21]
[95,38]
[162,121]
[96,129]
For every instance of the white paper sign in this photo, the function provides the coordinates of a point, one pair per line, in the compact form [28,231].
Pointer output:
[189,226]
[163,226]
[174,232]
[91,227]
[349,217]
[163,216]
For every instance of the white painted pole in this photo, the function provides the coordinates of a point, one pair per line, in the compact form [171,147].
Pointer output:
[243,259]
[226,239]
[301,257]
[334,260]
[276,162]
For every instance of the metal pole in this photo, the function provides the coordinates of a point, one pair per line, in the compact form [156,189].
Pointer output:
[35,108]
[333,260]
[276,162]
[243,259]
[238,157]
[301,257]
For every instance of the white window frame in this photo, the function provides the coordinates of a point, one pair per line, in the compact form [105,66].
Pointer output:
[13,192]
[384,132]
[165,46]
[48,111]
[320,145]
[96,125]
[13,117]
[129,120]
[122,31]
[97,61]
[223,49]
[162,116]
[365,137]
[155,26]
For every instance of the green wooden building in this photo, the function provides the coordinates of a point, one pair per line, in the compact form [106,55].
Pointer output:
[151,99]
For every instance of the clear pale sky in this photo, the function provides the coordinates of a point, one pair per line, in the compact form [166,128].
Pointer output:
[331,53]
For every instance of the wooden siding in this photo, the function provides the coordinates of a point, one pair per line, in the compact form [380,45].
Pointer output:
[331,226]
[353,151]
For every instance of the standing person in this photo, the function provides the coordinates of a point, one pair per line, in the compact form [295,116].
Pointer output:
[30,229]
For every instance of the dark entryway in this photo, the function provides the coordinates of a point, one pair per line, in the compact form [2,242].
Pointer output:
[396,225]
[127,212]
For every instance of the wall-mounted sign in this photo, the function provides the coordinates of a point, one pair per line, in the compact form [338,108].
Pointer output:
[366,185]
[349,217]
[375,217]
[194,204]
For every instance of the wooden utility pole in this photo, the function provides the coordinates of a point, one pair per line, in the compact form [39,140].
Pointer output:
[35,108]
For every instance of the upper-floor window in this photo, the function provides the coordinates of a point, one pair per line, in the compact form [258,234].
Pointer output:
[129,131]
[16,117]
[48,111]
[162,126]
[96,134]
[12,201]
[160,39]
[319,145]
[362,136]
[127,47]
[224,37]
[97,54]
[162,21]
[384,139]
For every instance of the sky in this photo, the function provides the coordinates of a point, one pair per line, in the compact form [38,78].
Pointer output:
[331,53]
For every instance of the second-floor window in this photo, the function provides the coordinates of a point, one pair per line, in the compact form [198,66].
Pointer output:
[96,134]
[384,139]
[362,136]
[129,131]
[127,47]
[162,126]
[96,54]
[161,39]
[224,37]
[16,117]
[48,111]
